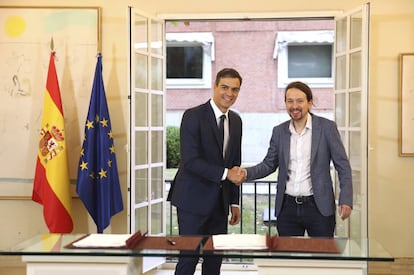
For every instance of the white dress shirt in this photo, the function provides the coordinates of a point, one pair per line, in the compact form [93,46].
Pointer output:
[218,114]
[299,177]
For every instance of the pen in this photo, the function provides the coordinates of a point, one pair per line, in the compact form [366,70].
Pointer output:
[170,241]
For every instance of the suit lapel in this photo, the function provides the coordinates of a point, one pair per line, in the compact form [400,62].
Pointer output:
[316,133]
[286,143]
[212,123]
[232,129]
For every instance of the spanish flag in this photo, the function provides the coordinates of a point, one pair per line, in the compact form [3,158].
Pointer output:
[51,186]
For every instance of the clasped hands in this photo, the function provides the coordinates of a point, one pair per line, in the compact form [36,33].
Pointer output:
[237,175]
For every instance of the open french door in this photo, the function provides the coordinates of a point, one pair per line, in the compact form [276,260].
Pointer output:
[147,142]
[351,111]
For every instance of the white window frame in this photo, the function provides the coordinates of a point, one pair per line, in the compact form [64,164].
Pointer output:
[286,38]
[191,39]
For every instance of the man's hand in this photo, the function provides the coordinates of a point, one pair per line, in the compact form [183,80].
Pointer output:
[237,175]
[235,215]
[344,211]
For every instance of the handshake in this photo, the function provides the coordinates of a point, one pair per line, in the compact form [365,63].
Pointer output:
[237,175]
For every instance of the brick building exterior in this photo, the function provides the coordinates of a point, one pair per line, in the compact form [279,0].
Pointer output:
[248,46]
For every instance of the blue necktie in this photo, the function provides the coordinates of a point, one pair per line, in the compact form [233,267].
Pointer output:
[221,130]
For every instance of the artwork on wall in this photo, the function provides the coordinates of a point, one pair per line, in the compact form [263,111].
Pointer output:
[25,42]
[406,103]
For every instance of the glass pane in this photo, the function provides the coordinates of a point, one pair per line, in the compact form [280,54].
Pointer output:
[156,218]
[341,35]
[355,230]
[141,185]
[185,62]
[355,70]
[355,109]
[356,183]
[156,110]
[141,34]
[340,76]
[157,76]
[141,219]
[340,111]
[141,147]
[355,149]
[141,68]
[157,182]
[157,146]
[309,61]
[141,107]
[156,37]
[356,30]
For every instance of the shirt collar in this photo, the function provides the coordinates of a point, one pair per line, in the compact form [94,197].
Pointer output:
[307,126]
[217,112]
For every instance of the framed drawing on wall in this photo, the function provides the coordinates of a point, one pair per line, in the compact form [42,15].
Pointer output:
[25,43]
[406,103]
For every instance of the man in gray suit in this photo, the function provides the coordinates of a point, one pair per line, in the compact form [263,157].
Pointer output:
[303,148]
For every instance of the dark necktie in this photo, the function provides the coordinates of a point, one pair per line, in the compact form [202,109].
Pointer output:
[221,130]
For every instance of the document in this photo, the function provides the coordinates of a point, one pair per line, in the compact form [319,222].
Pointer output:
[103,241]
[239,242]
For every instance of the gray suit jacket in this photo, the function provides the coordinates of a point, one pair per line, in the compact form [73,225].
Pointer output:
[326,146]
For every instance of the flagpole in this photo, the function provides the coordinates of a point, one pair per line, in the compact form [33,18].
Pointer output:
[52,44]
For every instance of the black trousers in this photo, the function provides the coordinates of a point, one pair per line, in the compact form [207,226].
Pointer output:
[194,224]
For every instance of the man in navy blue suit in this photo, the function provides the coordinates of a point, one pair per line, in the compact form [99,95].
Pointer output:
[202,191]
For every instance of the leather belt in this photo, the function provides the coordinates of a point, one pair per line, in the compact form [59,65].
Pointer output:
[299,199]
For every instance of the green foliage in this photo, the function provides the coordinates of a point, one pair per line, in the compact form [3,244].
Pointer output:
[173,146]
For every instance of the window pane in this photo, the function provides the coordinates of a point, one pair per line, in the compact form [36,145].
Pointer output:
[141,103]
[340,77]
[140,31]
[156,218]
[309,61]
[185,62]
[356,30]
[141,219]
[156,39]
[355,70]
[156,74]
[355,109]
[157,182]
[341,35]
[157,146]
[156,110]
[141,79]
[141,148]
[355,149]
[141,185]
[356,186]
[340,105]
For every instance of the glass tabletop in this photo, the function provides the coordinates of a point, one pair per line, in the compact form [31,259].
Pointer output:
[60,244]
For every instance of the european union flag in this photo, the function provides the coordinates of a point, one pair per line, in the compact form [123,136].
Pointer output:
[98,181]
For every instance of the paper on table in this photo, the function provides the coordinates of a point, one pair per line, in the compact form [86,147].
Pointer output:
[103,240]
[239,241]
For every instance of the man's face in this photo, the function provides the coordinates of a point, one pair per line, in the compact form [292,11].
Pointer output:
[226,93]
[297,106]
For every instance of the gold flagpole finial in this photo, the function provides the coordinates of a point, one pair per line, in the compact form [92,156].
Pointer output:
[52,45]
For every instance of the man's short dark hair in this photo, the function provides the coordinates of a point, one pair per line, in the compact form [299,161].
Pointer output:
[228,72]
[300,86]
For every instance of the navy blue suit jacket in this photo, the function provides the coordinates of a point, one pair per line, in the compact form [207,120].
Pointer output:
[326,147]
[197,185]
